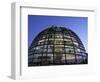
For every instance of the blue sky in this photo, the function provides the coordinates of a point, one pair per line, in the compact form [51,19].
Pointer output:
[37,23]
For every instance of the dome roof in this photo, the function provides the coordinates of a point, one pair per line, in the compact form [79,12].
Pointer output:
[56,45]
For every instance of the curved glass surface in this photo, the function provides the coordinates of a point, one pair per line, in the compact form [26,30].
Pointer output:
[56,46]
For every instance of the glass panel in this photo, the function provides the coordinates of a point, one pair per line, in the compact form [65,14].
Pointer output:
[79,59]
[66,46]
[44,54]
[59,50]
[45,46]
[70,56]
[58,36]
[50,50]
[69,50]
[51,42]
[77,51]
[45,50]
[75,43]
[59,41]
[66,37]
[49,54]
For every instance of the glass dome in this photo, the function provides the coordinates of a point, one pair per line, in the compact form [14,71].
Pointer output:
[56,46]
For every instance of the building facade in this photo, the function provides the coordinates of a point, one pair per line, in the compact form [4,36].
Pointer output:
[56,46]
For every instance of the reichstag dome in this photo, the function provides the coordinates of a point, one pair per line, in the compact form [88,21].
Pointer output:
[56,46]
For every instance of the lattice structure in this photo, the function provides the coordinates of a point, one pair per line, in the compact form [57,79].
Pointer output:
[56,46]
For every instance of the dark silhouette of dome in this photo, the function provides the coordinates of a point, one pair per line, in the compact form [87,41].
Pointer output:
[56,46]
